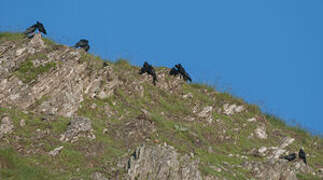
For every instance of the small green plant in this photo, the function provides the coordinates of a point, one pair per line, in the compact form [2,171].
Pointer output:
[27,72]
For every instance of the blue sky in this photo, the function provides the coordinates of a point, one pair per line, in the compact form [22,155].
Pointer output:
[267,52]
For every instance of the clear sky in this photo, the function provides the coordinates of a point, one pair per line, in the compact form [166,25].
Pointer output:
[268,52]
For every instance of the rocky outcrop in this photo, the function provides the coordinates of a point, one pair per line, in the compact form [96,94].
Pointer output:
[78,127]
[64,86]
[232,109]
[6,126]
[206,113]
[261,132]
[270,170]
[161,162]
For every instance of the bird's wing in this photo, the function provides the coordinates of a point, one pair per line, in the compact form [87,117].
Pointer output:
[31,29]
[86,48]
[42,29]
[77,44]
[173,71]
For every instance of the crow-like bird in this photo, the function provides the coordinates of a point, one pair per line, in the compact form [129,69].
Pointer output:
[147,68]
[83,43]
[30,31]
[183,73]
[173,72]
[302,155]
[289,157]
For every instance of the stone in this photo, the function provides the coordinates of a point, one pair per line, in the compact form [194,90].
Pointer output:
[271,170]
[189,95]
[93,106]
[56,151]
[6,126]
[232,109]
[98,176]
[37,41]
[22,123]
[105,130]
[286,142]
[161,162]
[206,112]
[20,51]
[263,149]
[79,127]
[261,132]
[252,119]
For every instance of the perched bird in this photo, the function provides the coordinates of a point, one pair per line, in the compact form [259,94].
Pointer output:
[83,43]
[289,157]
[105,64]
[183,73]
[173,72]
[147,68]
[302,155]
[30,31]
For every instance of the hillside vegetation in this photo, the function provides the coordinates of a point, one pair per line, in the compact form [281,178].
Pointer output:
[65,115]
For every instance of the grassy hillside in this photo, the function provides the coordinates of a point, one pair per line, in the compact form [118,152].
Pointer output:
[130,117]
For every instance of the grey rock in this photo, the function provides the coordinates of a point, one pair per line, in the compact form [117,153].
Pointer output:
[161,162]
[6,126]
[261,132]
[98,176]
[56,151]
[271,170]
[232,109]
[79,127]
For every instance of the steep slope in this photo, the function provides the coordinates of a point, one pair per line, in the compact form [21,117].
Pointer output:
[67,115]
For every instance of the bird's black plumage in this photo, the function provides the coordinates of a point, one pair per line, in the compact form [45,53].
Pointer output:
[302,155]
[83,43]
[41,27]
[29,31]
[173,72]
[183,73]
[149,69]
[289,157]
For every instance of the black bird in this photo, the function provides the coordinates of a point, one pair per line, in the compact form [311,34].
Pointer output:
[173,72]
[289,157]
[105,64]
[30,31]
[83,43]
[147,68]
[183,73]
[302,155]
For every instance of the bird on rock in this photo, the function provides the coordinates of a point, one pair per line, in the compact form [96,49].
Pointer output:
[30,31]
[83,43]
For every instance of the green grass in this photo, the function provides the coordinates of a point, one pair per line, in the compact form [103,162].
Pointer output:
[18,167]
[28,72]
[167,112]
[307,177]
[6,36]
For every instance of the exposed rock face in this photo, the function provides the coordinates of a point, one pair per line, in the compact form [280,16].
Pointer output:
[261,132]
[63,87]
[78,127]
[207,113]
[286,141]
[98,176]
[271,170]
[273,152]
[6,126]
[232,109]
[75,76]
[161,162]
